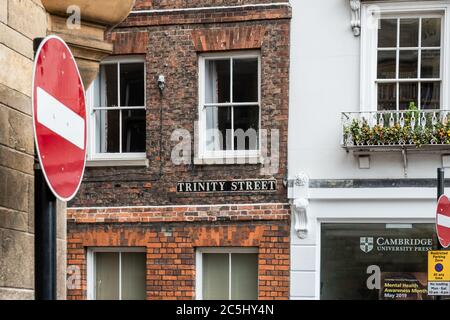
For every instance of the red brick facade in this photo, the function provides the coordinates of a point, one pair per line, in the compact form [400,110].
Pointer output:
[170,236]
[140,206]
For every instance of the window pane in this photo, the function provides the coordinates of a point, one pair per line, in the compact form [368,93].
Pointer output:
[431,32]
[387,34]
[408,64]
[107,276]
[133,276]
[244,276]
[431,62]
[132,84]
[409,32]
[217,81]
[108,85]
[431,95]
[218,125]
[387,96]
[246,127]
[133,130]
[353,255]
[407,94]
[245,80]
[107,135]
[215,276]
[386,64]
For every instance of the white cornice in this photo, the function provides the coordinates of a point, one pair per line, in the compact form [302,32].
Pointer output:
[244,6]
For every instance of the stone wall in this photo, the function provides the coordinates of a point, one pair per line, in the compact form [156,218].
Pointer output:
[20,22]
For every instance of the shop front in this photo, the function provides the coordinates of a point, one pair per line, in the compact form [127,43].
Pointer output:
[364,245]
[375,261]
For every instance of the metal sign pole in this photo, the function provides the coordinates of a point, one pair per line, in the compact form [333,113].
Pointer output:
[440,192]
[440,184]
[45,231]
[45,239]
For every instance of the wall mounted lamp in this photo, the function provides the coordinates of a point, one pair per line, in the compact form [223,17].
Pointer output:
[161,83]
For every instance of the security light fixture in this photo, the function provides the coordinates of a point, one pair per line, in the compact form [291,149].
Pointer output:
[161,83]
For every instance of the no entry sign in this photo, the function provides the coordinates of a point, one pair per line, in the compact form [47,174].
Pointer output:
[443,221]
[59,117]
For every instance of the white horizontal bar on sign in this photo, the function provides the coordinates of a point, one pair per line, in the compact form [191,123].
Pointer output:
[60,119]
[443,221]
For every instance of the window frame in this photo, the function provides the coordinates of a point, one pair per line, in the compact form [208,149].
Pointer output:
[369,45]
[122,158]
[221,250]
[90,268]
[203,154]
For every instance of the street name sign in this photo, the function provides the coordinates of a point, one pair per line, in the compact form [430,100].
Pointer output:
[59,117]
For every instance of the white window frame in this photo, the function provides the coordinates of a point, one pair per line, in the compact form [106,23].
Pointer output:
[90,268]
[369,44]
[222,250]
[105,159]
[203,154]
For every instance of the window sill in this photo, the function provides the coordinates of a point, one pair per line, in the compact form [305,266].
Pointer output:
[229,160]
[117,163]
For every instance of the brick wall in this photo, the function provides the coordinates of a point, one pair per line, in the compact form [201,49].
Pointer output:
[140,206]
[170,237]
[172,50]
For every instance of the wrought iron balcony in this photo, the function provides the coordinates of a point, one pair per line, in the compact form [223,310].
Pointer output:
[394,130]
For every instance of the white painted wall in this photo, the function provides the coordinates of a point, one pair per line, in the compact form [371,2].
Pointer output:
[324,81]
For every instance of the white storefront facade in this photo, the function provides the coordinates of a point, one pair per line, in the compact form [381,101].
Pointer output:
[367,130]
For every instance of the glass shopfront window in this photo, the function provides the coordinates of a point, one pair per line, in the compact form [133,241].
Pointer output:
[374,261]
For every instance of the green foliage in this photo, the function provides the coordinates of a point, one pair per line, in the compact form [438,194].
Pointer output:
[409,132]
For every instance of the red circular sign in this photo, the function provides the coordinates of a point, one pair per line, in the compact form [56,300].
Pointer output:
[443,221]
[59,117]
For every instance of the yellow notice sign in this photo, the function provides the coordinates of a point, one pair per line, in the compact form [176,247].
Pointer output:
[439,265]
[439,272]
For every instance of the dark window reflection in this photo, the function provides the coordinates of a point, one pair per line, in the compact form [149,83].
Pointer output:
[108,89]
[132,81]
[409,32]
[245,80]
[393,254]
[218,120]
[431,64]
[133,130]
[387,34]
[387,96]
[408,63]
[246,124]
[408,92]
[386,64]
[217,81]
[431,32]
[431,95]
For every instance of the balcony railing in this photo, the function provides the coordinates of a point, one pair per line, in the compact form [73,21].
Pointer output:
[394,129]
